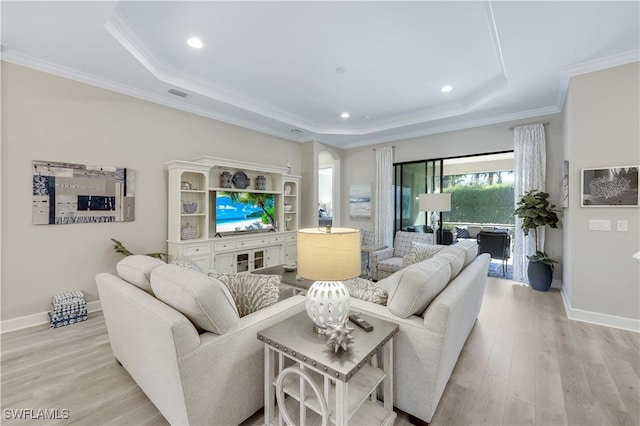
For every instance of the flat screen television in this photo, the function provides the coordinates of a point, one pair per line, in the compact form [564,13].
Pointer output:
[244,212]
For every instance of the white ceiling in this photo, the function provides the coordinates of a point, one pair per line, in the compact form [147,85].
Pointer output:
[271,66]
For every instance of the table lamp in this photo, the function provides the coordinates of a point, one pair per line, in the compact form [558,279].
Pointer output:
[436,203]
[328,255]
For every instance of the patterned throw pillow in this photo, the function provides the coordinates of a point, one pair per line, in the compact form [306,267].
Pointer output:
[251,292]
[185,262]
[419,252]
[365,290]
[462,232]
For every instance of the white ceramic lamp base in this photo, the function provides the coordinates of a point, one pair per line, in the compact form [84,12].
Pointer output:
[327,302]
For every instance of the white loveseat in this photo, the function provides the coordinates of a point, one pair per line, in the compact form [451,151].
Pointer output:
[191,377]
[434,321]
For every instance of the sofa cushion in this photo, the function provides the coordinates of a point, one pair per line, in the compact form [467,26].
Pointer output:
[419,252]
[471,250]
[419,284]
[204,300]
[136,269]
[456,256]
[365,290]
[474,231]
[251,292]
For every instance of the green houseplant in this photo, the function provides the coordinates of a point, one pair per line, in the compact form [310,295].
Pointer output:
[535,210]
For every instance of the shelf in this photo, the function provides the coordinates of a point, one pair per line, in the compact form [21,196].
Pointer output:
[255,191]
[360,387]
[371,413]
[193,191]
[192,214]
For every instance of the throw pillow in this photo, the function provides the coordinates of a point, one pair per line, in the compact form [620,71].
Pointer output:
[418,286]
[136,269]
[251,292]
[474,230]
[205,301]
[419,252]
[462,232]
[365,290]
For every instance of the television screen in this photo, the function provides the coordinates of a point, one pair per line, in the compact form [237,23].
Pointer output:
[244,212]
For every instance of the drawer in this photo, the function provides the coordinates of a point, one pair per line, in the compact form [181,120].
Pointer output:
[196,249]
[227,245]
[276,239]
[292,237]
[253,242]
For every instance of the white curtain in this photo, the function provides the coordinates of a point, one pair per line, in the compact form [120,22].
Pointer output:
[530,159]
[383,219]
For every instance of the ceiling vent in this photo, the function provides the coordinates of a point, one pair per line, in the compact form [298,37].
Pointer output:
[296,131]
[177,93]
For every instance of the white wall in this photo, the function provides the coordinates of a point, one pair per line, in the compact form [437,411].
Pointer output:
[45,117]
[359,163]
[602,130]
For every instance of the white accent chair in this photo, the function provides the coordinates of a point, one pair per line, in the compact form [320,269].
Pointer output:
[387,261]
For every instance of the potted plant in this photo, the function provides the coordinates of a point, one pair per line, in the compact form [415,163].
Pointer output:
[535,210]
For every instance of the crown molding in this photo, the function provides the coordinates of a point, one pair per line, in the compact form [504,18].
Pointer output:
[454,127]
[71,74]
[602,63]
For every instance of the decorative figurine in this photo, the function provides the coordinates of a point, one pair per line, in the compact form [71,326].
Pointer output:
[339,336]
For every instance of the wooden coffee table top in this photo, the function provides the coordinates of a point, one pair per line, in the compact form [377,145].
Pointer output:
[288,278]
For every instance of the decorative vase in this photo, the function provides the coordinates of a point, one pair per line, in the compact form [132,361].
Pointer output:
[287,207]
[540,275]
[188,232]
[225,180]
[189,208]
[261,183]
[287,190]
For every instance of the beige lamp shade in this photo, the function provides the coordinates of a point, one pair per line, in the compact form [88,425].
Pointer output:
[328,256]
[437,202]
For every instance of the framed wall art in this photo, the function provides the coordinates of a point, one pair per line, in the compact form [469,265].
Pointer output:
[610,187]
[66,193]
[564,184]
[360,201]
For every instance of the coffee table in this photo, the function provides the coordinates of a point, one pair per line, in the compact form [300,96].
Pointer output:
[290,279]
[340,386]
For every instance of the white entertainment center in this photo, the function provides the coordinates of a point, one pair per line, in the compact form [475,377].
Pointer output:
[193,229]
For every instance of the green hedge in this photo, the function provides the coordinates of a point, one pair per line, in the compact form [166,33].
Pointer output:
[481,204]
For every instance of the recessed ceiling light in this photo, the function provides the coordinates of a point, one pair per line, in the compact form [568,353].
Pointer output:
[340,70]
[195,42]
[345,115]
[446,88]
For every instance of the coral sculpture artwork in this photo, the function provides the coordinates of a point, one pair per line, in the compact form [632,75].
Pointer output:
[339,336]
[607,188]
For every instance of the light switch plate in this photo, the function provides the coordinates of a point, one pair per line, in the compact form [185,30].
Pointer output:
[623,226]
[599,225]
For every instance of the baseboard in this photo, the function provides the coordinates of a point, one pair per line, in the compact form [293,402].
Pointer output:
[556,284]
[26,321]
[598,318]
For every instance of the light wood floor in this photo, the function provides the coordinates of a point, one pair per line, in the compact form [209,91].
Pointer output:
[524,363]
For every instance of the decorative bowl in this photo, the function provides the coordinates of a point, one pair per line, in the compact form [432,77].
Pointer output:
[289,268]
[189,208]
[287,207]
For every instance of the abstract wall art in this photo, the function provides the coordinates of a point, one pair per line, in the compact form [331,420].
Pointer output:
[359,201]
[610,187]
[66,193]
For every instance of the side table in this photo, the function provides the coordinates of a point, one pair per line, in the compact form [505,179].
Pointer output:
[369,250]
[343,384]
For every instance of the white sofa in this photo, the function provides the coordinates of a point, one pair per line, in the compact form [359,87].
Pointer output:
[191,377]
[430,340]
[217,378]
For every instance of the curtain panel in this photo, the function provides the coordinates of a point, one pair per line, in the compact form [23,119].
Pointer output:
[530,171]
[383,219]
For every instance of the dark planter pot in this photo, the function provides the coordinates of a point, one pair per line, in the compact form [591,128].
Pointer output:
[540,275]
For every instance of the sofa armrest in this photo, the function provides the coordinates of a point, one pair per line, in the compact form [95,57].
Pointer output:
[379,255]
